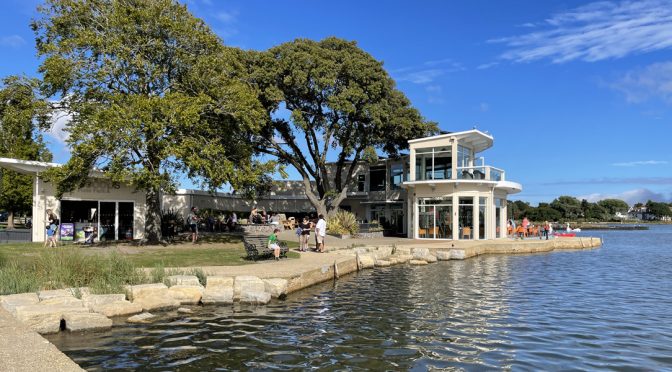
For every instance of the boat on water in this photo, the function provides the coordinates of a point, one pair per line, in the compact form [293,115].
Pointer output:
[565,235]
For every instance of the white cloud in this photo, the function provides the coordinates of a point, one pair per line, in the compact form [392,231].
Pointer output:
[13,41]
[485,66]
[653,81]
[631,196]
[60,120]
[596,31]
[638,163]
[428,72]
[227,17]
[484,107]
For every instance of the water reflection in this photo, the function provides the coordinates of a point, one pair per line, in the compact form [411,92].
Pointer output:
[597,309]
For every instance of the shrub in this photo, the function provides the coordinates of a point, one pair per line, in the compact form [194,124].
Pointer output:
[343,222]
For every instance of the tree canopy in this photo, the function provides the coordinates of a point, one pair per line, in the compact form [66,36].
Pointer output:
[330,95]
[153,94]
[23,112]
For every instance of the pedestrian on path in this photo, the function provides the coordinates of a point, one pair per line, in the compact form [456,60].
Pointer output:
[320,233]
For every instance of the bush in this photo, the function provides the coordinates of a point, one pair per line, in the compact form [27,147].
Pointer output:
[343,222]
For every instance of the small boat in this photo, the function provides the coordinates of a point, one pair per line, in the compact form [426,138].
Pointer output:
[565,235]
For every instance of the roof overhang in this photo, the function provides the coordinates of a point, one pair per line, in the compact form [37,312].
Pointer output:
[29,167]
[474,139]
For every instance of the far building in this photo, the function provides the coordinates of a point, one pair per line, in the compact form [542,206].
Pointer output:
[442,190]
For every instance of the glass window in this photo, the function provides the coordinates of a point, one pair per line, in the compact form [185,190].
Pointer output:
[361,182]
[377,178]
[482,217]
[435,216]
[498,217]
[466,217]
[433,163]
[396,176]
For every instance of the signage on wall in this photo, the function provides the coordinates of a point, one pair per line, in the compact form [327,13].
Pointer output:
[67,231]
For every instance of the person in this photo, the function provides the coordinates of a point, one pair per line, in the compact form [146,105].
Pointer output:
[512,223]
[526,224]
[273,219]
[546,229]
[273,244]
[192,220]
[254,215]
[264,218]
[52,227]
[305,226]
[320,233]
[233,221]
[550,229]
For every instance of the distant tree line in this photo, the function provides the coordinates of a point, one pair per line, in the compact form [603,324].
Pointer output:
[570,208]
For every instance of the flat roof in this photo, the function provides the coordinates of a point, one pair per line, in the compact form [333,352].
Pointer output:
[30,167]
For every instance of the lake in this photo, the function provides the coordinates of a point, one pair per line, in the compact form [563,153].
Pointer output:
[608,308]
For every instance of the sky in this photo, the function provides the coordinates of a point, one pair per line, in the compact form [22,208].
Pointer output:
[577,94]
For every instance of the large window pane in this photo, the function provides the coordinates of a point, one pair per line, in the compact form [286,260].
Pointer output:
[426,221]
[444,221]
[498,217]
[466,217]
[482,217]
[442,164]
[377,178]
[396,176]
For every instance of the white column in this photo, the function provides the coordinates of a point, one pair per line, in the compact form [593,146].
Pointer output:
[453,154]
[475,210]
[456,223]
[411,165]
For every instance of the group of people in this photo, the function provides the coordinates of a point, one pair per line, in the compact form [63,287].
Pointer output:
[260,217]
[52,228]
[228,222]
[303,232]
[525,226]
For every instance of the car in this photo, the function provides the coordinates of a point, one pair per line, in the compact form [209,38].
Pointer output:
[4,216]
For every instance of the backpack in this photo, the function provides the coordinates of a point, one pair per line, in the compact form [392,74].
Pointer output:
[299,230]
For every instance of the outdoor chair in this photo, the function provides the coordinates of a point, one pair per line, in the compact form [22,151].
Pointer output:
[466,233]
[256,247]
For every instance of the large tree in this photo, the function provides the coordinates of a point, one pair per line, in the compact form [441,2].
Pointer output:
[153,94]
[330,96]
[23,112]
[613,206]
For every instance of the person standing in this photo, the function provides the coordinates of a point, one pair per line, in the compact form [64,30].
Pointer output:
[233,221]
[526,224]
[320,233]
[192,219]
[305,234]
[52,227]
[547,228]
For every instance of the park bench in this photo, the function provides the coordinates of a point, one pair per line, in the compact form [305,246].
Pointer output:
[256,247]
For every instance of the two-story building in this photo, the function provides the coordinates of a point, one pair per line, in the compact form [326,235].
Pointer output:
[438,191]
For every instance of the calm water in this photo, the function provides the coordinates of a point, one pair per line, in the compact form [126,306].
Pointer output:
[609,308]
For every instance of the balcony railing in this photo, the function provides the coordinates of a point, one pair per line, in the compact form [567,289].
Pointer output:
[483,172]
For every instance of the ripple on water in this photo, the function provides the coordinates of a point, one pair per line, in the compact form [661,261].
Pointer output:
[599,309]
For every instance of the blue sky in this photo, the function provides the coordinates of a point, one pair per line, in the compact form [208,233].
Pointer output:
[578,95]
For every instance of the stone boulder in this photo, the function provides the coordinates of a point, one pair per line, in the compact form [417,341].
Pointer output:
[186,294]
[457,254]
[276,287]
[77,322]
[418,262]
[420,253]
[383,263]
[218,290]
[11,302]
[152,297]
[45,319]
[62,301]
[185,310]
[431,259]
[442,255]
[366,261]
[183,280]
[45,295]
[141,318]
[111,305]
[250,290]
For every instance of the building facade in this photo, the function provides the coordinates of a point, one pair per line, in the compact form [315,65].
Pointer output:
[441,190]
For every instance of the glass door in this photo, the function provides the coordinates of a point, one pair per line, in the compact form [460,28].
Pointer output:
[108,227]
[126,221]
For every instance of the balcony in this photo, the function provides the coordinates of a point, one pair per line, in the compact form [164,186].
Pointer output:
[481,173]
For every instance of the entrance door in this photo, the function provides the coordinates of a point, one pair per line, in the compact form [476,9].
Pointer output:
[108,227]
[397,220]
[126,221]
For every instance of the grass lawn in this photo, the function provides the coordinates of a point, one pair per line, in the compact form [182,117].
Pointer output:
[216,250]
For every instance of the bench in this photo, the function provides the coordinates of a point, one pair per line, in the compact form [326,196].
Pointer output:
[256,247]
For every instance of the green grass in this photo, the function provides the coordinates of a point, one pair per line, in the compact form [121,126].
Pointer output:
[28,267]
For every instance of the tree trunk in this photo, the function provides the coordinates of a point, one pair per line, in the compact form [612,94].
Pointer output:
[152,216]
[10,220]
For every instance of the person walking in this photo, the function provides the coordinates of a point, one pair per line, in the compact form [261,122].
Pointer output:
[320,233]
[192,219]
[52,227]
[547,228]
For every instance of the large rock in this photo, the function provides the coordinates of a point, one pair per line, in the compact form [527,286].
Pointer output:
[418,262]
[276,287]
[11,302]
[383,263]
[218,290]
[431,258]
[256,298]
[101,299]
[442,255]
[183,280]
[135,291]
[54,293]
[117,308]
[76,322]
[141,318]
[186,294]
[46,319]
[420,253]
[457,254]
[62,301]
[366,261]
[154,302]
[247,284]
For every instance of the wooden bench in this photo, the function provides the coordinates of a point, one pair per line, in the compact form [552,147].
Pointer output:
[256,247]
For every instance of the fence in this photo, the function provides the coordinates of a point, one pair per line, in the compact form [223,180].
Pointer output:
[7,236]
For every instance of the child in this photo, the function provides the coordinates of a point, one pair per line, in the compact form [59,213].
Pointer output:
[273,244]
